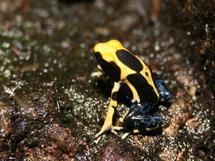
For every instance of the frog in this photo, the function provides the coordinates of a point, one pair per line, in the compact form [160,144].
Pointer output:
[130,74]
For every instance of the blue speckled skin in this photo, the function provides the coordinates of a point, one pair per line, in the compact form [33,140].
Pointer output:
[139,116]
[163,91]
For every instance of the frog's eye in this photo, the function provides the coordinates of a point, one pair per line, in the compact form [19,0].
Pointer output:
[129,60]
[110,68]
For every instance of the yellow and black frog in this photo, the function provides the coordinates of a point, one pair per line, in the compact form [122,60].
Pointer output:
[142,87]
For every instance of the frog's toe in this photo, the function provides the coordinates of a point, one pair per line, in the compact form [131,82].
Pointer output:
[125,135]
[117,128]
[97,139]
[98,136]
[105,127]
[114,129]
[111,128]
[100,132]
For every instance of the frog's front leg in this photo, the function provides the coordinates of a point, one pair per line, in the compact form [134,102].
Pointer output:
[109,115]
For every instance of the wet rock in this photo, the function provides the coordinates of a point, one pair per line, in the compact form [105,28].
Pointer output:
[99,4]
[74,1]
[193,123]
[56,141]
[115,150]
[208,67]
[36,134]
[128,22]
[197,19]
[56,110]
[102,31]
[168,154]
[181,155]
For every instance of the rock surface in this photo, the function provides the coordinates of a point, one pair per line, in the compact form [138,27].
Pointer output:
[51,107]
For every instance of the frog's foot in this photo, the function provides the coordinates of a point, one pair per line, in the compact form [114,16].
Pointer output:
[111,128]
[125,135]
[135,131]
[105,128]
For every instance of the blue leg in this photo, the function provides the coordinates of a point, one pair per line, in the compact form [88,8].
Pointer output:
[138,119]
[165,94]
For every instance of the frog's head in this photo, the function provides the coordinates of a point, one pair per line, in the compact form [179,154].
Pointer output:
[107,59]
[136,119]
[108,49]
[106,46]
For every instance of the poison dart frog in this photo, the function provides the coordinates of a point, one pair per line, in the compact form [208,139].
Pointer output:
[142,87]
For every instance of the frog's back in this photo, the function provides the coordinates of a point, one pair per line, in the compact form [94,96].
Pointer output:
[122,66]
[145,91]
[137,74]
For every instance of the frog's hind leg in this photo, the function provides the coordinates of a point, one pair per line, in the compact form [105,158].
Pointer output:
[165,94]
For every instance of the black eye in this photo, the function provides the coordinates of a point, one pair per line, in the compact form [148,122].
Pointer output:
[110,68]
